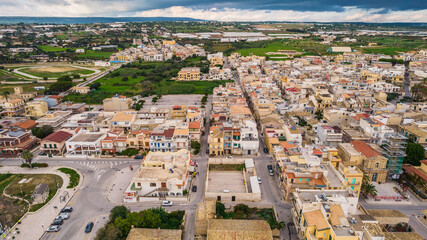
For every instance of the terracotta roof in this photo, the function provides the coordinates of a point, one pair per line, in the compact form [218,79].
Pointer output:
[415,171]
[316,218]
[365,149]
[25,124]
[58,136]
[192,125]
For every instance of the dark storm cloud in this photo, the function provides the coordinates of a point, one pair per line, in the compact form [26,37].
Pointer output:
[308,5]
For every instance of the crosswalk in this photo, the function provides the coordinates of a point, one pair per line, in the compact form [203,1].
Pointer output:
[98,167]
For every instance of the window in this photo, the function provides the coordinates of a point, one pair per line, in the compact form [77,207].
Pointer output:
[377,165]
[353,181]
[153,184]
[45,145]
[300,179]
[54,145]
[308,180]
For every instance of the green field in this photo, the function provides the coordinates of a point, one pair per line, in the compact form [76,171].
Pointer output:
[48,48]
[272,47]
[52,74]
[95,55]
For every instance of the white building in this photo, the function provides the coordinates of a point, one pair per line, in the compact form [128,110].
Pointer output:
[85,143]
[160,174]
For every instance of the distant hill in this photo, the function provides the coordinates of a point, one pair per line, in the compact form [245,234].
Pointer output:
[87,20]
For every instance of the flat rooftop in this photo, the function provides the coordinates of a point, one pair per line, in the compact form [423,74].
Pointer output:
[86,137]
[218,181]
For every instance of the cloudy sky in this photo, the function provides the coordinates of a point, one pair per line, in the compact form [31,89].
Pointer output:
[227,10]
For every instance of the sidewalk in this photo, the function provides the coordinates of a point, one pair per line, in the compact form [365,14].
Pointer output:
[34,224]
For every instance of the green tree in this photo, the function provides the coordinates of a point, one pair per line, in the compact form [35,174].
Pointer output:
[319,114]
[6,95]
[27,155]
[118,211]
[42,132]
[414,153]
[220,209]
[109,232]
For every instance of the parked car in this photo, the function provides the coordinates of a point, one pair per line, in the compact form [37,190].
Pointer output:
[138,157]
[266,150]
[58,222]
[271,172]
[64,215]
[270,167]
[53,229]
[194,189]
[89,227]
[207,151]
[167,203]
[67,210]
[259,180]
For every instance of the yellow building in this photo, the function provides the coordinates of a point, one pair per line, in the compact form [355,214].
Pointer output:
[416,134]
[353,177]
[216,61]
[397,80]
[334,158]
[14,107]
[216,141]
[316,225]
[169,42]
[179,112]
[189,74]
[36,108]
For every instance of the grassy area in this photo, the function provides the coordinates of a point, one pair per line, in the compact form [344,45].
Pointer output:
[272,47]
[95,55]
[26,189]
[226,167]
[11,210]
[56,71]
[48,48]
[74,176]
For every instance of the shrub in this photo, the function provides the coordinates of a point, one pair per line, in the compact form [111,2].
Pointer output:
[125,79]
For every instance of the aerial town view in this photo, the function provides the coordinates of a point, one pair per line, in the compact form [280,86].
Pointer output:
[213,120]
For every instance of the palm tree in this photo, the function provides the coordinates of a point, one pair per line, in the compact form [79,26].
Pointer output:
[27,156]
[367,189]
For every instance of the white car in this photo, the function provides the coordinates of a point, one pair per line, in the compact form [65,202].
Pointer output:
[259,180]
[167,203]
[53,229]
[64,215]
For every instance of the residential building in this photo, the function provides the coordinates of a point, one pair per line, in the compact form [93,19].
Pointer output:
[329,135]
[54,118]
[160,174]
[55,142]
[161,140]
[117,103]
[216,141]
[36,108]
[69,106]
[13,143]
[189,74]
[85,143]
[14,107]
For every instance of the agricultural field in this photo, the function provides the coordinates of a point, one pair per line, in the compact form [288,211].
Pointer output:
[306,46]
[95,55]
[48,48]
[55,71]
